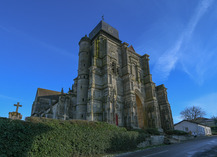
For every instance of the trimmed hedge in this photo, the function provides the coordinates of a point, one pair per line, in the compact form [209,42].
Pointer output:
[149,131]
[214,130]
[50,137]
[176,132]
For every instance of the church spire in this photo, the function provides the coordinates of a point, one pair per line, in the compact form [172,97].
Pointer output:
[102,17]
[62,91]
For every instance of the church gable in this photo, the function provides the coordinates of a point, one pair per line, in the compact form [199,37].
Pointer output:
[46,92]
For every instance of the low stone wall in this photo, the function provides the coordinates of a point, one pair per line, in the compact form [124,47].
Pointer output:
[182,138]
[171,139]
[151,141]
[161,139]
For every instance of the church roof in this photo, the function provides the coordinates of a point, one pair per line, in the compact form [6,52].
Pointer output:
[190,121]
[131,48]
[103,26]
[46,92]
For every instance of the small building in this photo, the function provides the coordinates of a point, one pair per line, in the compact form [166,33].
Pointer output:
[193,127]
[205,121]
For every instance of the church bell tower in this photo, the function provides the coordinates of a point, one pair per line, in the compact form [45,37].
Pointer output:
[83,75]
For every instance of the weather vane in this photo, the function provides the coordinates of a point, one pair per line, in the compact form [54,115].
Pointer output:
[102,17]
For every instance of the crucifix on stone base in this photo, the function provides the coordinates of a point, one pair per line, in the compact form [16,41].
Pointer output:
[18,105]
[64,117]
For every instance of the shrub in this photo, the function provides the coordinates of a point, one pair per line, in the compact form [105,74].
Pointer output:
[176,132]
[152,131]
[49,137]
[149,131]
[214,130]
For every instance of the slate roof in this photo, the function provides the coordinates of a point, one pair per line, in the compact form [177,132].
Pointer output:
[103,26]
[46,92]
[190,122]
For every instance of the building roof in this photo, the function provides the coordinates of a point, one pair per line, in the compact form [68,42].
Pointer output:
[131,48]
[190,121]
[102,25]
[46,92]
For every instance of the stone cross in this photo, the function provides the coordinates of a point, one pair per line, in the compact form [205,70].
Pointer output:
[64,117]
[18,105]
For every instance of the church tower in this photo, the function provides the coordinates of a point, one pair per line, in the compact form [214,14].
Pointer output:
[114,85]
[83,75]
[104,96]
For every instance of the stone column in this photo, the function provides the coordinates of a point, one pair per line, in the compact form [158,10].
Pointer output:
[83,77]
[165,110]
[151,103]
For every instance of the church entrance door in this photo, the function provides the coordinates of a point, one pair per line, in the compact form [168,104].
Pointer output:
[140,112]
[116,117]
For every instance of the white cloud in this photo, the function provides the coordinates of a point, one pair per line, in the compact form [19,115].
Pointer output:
[167,62]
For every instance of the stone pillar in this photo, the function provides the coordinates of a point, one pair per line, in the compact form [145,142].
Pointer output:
[165,110]
[151,103]
[90,107]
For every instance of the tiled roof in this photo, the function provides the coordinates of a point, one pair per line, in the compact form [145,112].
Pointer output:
[46,92]
[191,121]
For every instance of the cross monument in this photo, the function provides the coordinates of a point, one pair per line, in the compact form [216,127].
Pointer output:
[64,117]
[16,115]
[18,105]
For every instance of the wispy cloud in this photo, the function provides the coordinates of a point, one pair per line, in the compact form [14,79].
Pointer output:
[4,28]
[167,62]
[55,49]
[8,97]
[37,41]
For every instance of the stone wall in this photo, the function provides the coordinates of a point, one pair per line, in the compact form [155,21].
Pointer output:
[152,141]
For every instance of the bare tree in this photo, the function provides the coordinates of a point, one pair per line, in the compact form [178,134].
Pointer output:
[192,113]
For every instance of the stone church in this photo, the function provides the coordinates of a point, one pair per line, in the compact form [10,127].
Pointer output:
[113,85]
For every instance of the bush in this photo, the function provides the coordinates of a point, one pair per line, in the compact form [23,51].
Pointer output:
[214,130]
[49,137]
[176,132]
[152,131]
[149,131]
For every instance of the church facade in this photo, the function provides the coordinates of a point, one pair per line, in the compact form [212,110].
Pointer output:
[114,85]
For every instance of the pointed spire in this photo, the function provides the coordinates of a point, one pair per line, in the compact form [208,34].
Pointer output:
[62,91]
[131,47]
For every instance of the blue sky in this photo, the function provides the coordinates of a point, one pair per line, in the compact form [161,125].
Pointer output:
[39,46]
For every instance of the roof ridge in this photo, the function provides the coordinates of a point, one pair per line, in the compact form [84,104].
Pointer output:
[47,92]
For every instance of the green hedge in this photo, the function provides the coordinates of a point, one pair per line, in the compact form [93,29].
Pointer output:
[56,138]
[149,131]
[214,130]
[176,132]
